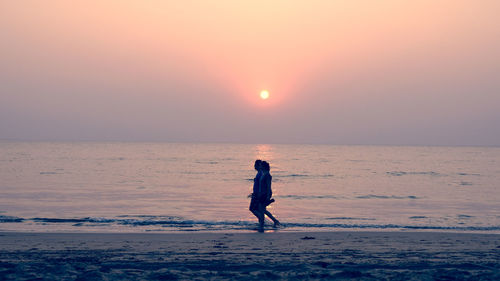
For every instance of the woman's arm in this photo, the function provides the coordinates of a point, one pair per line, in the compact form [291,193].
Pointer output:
[268,188]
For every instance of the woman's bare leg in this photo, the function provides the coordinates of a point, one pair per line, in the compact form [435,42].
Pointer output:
[261,217]
[275,220]
[256,213]
[254,208]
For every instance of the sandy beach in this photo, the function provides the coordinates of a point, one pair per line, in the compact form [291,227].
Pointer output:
[229,256]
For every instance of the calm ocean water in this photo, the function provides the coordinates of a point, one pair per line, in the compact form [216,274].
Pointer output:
[136,187]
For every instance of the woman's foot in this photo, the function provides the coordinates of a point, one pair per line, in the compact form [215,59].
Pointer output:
[260,228]
[276,224]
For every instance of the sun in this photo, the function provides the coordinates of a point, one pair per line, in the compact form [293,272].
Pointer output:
[264,94]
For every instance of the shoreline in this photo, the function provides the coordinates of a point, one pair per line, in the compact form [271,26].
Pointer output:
[267,231]
[250,256]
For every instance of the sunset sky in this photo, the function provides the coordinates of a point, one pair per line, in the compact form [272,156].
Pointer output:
[337,72]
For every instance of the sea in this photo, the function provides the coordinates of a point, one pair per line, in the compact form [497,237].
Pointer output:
[186,187]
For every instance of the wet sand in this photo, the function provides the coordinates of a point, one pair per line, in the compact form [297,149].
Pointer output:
[250,256]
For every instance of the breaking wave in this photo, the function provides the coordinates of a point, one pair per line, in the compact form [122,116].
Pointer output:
[178,224]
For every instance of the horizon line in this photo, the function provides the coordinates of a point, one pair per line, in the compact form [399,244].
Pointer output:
[13,140]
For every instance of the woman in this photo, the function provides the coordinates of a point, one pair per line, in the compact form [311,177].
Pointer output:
[254,203]
[265,194]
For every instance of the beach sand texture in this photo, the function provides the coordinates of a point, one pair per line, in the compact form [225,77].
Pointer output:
[250,256]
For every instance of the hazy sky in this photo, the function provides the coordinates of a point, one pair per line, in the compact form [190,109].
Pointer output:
[340,72]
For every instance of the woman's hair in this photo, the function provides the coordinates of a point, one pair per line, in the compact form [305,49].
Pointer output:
[265,166]
[258,164]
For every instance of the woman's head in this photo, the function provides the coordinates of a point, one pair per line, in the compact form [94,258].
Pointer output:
[258,164]
[265,166]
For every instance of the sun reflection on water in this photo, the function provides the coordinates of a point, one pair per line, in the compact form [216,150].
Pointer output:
[264,152]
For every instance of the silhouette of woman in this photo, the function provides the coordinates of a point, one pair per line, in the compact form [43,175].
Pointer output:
[254,202]
[265,194]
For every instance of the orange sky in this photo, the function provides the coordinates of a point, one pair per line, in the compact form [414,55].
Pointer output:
[204,62]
